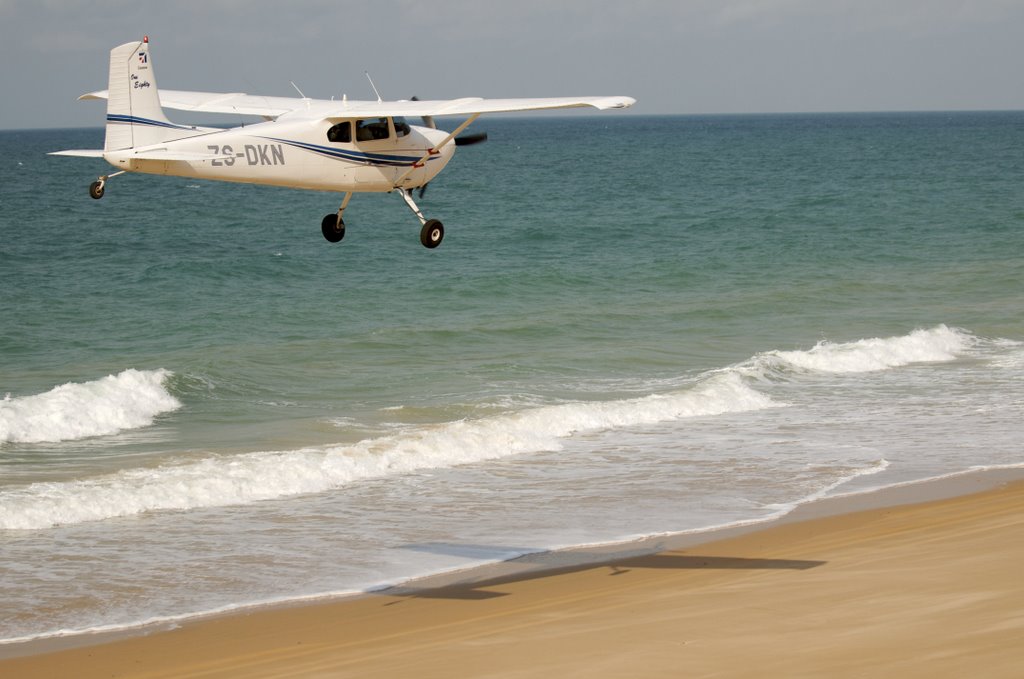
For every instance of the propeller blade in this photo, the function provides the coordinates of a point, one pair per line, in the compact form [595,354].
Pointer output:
[428,121]
[470,139]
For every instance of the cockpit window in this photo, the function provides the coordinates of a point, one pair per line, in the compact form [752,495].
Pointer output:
[401,127]
[372,129]
[340,133]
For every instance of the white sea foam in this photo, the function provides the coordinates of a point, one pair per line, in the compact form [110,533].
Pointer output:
[1012,359]
[128,400]
[240,479]
[219,481]
[937,344]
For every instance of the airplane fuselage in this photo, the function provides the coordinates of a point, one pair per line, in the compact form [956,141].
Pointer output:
[301,154]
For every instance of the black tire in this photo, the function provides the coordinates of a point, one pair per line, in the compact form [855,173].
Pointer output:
[333,228]
[96,190]
[432,233]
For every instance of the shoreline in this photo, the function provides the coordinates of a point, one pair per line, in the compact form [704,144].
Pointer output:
[908,492]
[957,484]
[531,567]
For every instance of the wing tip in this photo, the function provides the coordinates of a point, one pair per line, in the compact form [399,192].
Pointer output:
[617,102]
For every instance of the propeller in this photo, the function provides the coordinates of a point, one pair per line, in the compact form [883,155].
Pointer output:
[428,121]
[470,139]
[464,140]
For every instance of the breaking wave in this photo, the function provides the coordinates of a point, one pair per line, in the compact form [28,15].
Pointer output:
[128,400]
[937,344]
[133,398]
[239,479]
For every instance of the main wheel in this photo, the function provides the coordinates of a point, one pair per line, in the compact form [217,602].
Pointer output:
[432,233]
[96,190]
[333,228]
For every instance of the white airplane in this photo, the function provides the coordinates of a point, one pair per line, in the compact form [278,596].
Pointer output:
[324,145]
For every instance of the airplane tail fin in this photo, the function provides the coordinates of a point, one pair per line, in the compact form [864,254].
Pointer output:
[134,115]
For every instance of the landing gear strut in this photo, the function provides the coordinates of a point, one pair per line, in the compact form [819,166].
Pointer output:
[333,226]
[432,232]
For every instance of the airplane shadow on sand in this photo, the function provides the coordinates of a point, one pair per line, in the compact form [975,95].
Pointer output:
[534,564]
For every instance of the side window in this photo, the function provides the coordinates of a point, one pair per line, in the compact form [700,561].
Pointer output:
[372,129]
[401,127]
[340,133]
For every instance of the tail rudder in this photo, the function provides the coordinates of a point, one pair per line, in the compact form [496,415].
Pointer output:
[134,115]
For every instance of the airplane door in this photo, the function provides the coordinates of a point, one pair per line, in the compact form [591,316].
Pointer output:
[373,137]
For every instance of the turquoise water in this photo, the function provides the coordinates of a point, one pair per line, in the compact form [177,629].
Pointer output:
[634,325]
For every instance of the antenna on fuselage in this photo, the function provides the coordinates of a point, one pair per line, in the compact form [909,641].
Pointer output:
[304,97]
[373,86]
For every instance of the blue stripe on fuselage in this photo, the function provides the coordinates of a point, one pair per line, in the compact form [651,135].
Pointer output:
[354,156]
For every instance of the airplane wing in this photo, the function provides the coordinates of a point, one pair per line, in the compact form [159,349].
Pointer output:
[274,107]
[469,106]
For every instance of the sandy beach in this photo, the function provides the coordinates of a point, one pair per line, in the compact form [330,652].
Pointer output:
[931,589]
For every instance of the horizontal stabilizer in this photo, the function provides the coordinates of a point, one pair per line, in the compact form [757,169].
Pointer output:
[153,154]
[219,102]
[80,153]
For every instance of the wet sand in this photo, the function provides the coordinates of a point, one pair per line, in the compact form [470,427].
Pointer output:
[933,589]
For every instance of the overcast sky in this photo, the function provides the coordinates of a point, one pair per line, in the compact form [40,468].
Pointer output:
[682,56]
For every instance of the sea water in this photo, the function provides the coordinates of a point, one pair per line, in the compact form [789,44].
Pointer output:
[635,325]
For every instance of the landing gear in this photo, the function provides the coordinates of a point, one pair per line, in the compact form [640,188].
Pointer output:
[98,187]
[333,227]
[433,231]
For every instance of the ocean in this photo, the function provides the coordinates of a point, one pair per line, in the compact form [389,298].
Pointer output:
[636,325]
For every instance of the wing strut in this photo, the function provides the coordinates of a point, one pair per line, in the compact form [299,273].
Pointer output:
[433,152]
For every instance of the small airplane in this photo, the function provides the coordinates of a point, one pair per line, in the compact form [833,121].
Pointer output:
[323,145]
